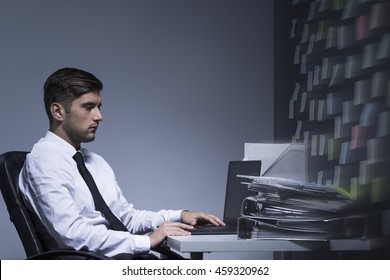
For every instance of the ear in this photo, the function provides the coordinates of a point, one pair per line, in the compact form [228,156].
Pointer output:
[57,111]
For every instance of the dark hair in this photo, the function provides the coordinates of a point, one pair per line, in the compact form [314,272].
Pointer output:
[66,85]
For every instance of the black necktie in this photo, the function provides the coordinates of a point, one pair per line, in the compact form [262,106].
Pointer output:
[100,204]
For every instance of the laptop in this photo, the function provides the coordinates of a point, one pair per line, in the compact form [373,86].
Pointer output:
[235,193]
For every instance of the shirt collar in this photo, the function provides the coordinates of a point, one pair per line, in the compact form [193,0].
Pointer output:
[61,143]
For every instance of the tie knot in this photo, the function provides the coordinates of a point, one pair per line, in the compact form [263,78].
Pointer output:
[78,157]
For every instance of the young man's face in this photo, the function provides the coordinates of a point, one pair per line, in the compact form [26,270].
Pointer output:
[82,120]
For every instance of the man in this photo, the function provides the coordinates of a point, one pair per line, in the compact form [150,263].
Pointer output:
[64,210]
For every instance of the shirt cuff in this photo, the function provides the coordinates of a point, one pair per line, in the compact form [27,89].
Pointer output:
[141,244]
[175,216]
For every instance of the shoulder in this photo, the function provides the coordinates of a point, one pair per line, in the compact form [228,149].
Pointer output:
[47,159]
[47,155]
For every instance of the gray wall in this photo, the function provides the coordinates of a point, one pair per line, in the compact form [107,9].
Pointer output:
[186,83]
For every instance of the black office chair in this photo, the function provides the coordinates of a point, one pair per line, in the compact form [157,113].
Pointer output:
[10,166]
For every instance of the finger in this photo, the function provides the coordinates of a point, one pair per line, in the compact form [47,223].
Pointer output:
[214,220]
[179,232]
[178,225]
[182,225]
[219,221]
[178,229]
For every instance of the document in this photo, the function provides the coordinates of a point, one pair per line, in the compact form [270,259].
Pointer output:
[295,210]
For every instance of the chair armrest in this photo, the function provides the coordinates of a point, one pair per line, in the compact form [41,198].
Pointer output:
[69,254]
[165,251]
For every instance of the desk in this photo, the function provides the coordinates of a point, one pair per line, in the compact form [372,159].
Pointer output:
[197,245]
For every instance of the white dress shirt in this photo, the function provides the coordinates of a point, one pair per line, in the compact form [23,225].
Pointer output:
[65,212]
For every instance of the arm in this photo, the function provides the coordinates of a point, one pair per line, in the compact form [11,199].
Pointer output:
[189,220]
[67,212]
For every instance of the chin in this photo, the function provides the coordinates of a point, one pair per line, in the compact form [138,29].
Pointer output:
[88,139]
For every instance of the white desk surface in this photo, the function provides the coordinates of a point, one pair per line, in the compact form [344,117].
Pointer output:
[230,243]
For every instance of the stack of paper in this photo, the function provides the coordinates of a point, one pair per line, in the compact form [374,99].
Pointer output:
[294,210]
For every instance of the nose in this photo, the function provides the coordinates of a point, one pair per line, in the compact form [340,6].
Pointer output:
[98,115]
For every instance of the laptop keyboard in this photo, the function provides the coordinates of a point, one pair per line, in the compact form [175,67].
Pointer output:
[212,229]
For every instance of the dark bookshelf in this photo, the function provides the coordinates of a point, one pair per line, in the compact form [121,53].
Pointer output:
[332,91]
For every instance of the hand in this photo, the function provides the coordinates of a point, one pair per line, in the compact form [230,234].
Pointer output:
[168,229]
[192,218]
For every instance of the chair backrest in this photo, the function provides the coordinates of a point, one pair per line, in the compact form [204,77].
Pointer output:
[10,165]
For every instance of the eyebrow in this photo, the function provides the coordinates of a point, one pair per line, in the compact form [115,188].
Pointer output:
[90,103]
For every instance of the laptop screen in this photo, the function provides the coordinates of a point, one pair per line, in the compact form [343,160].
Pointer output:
[235,190]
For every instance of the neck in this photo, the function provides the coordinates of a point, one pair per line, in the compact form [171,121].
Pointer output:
[62,134]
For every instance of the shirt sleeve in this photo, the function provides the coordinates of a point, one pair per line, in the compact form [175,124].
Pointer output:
[49,188]
[140,221]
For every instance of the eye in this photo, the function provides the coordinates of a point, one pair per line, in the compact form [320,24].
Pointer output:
[89,106]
